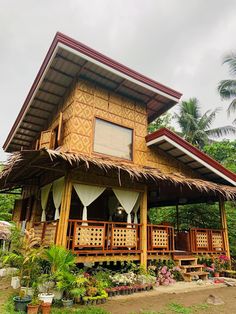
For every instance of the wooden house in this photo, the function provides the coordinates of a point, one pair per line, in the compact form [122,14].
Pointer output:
[89,170]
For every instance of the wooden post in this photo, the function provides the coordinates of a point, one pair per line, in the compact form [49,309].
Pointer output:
[177,217]
[224,226]
[64,213]
[143,221]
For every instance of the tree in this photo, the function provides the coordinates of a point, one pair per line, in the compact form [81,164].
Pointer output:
[196,127]
[227,88]
[6,204]
[224,152]
[164,121]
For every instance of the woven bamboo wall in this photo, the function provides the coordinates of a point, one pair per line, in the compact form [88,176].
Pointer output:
[87,101]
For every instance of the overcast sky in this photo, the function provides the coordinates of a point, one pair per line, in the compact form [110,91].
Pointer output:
[177,42]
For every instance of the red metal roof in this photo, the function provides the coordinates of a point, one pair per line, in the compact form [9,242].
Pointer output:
[165,134]
[94,55]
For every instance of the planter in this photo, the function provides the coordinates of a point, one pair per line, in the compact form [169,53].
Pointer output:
[21,303]
[57,294]
[67,303]
[46,297]
[78,300]
[46,308]
[32,309]
[216,274]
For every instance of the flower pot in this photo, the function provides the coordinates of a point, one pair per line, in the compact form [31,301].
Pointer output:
[32,309]
[78,300]
[46,308]
[216,274]
[67,303]
[46,297]
[21,303]
[57,294]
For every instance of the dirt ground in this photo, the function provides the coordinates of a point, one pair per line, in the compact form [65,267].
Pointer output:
[163,303]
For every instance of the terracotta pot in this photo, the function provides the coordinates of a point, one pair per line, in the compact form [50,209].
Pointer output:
[216,274]
[32,309]
[46,308]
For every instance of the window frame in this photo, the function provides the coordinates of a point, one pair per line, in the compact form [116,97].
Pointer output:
[119,125]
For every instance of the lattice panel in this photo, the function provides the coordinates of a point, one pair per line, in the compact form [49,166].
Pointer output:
[50,234]
[217,241]
[124,237]
[160,238]
[89,236]
[202,240]
[38,231]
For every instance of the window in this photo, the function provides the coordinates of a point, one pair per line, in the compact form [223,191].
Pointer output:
[112,139]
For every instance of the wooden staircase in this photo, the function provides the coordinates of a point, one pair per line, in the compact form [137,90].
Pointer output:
[190,269]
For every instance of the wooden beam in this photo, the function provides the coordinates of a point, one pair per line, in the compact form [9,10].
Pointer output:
[35,116]
[143,221]
[55,83]
[50,93]
[224,226]
[61,72]
[45,102]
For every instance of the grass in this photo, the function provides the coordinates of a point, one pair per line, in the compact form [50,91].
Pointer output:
[176,308]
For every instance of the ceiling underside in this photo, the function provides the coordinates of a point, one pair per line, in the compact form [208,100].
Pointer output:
[52,89]
[189,161]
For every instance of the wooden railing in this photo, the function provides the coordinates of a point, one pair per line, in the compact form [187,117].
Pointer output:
[92,237]
[207,240]
[46,231]
[160,238]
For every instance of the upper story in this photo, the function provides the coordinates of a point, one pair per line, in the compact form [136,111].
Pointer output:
[84,102]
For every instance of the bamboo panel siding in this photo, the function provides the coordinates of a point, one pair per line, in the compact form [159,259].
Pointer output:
[87,101]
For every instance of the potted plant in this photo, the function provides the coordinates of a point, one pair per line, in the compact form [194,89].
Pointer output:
[27,255]
[21,301]
[33,306]
[45,285]
[46,308]
[66,282]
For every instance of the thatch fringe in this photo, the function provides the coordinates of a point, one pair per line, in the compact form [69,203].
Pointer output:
[138,173]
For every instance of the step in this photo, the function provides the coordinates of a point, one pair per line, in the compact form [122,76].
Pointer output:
[184,261]
[201,274]
[190,268]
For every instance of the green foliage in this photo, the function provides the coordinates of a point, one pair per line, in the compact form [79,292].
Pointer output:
[65,281]
[224,152]
[194,215]
[164,121]
[83,310]
[196,127]
[59,258]
[6,206]
[227,88]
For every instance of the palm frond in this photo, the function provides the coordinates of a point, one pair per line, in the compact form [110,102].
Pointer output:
[224,130]
[232,107]
[227,89]
[230,60]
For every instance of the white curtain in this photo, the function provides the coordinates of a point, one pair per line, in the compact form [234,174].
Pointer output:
[112,206]
[127,200]
[44,199]
[135,210]
[87,194]
[57,192]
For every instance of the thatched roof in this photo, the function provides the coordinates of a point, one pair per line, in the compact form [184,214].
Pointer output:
[25,165]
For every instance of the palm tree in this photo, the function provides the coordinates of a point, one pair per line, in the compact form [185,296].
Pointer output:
[227,88]
[195,127]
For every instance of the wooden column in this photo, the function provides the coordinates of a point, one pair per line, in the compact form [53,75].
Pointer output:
[64,213]
[177,217]
[224,226]
[143,221]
